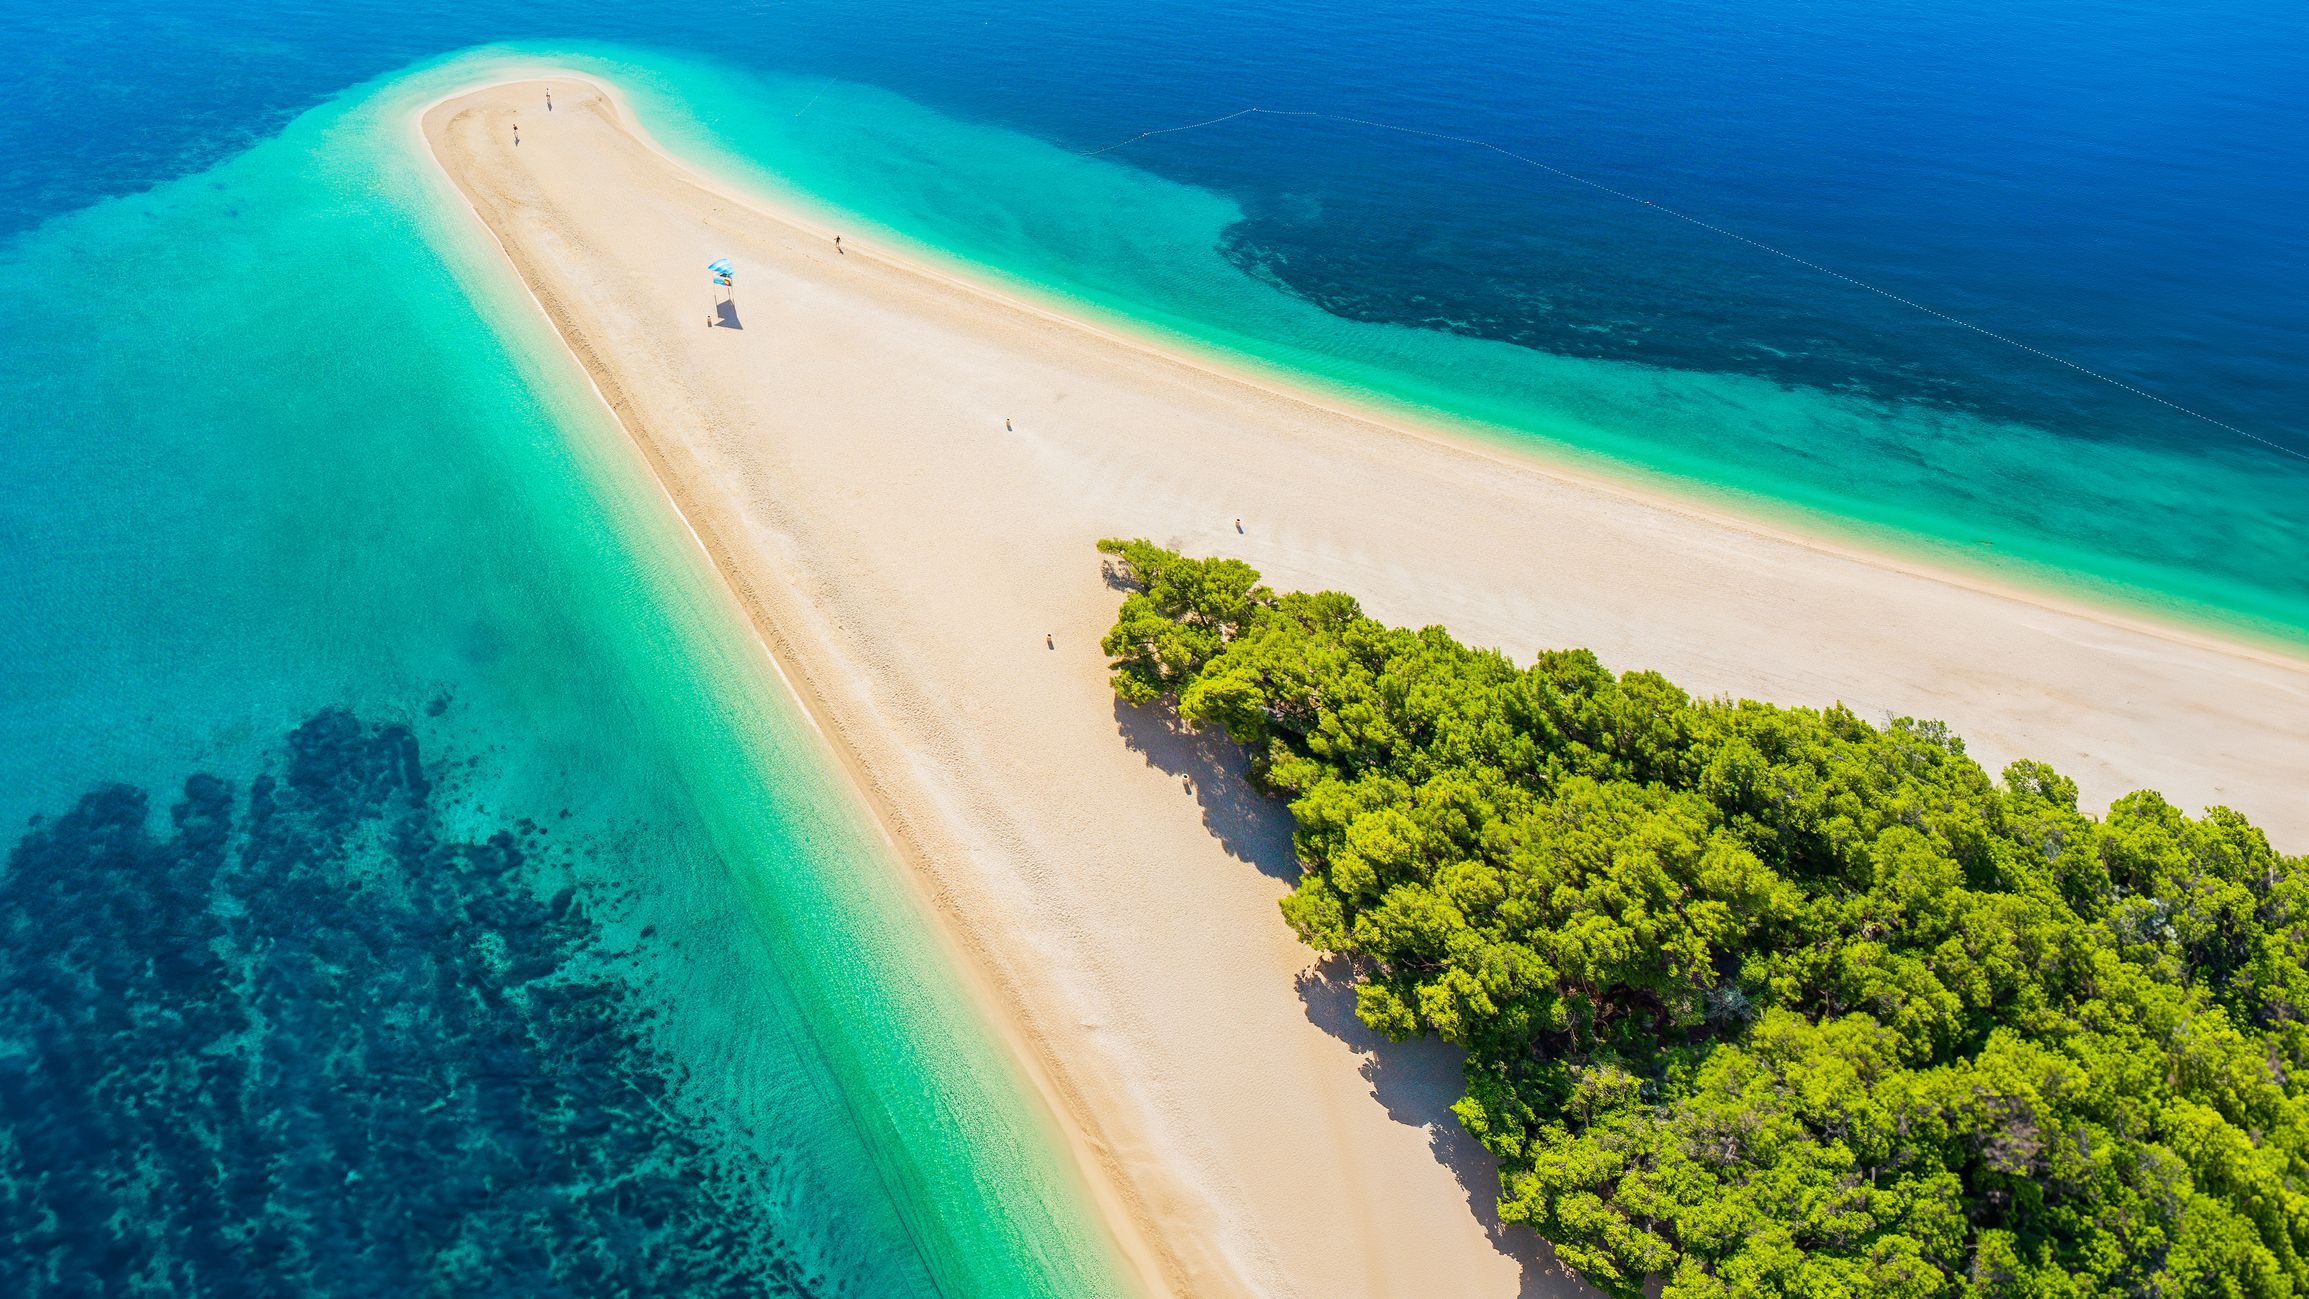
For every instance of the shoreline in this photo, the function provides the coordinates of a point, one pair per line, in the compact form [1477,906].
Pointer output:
[1127,1223]
[1156,1207]
[1883,545]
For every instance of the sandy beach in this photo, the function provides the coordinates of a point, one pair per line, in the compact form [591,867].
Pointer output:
[902,475]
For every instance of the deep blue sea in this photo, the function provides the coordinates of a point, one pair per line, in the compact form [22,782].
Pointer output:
[2119,184]
[420,882]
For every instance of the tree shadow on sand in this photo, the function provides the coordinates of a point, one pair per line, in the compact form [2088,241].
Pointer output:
[1417,1081]
[1252,827]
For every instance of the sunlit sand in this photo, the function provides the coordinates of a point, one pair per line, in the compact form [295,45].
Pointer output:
[902,474]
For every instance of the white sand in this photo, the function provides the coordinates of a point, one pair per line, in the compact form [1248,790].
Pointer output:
[844,459]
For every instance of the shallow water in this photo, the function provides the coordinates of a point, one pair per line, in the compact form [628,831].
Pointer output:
[2119,185]
[295,477]
[1971,451]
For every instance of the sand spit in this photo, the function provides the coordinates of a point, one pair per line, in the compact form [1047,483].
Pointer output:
[902,474]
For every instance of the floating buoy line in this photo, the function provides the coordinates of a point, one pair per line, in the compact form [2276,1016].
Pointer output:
[1715,229]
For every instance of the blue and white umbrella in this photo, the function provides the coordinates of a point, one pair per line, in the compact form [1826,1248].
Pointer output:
[722,270]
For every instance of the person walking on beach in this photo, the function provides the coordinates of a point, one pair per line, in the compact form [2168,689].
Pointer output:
[1006,425]
[838,245]
[517,135]
[548,101]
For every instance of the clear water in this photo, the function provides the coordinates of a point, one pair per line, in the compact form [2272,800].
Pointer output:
[1475,288]
[2118,184]
[548,953]
[279,440]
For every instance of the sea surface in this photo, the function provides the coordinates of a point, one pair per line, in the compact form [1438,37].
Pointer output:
[418,873]
[418,880]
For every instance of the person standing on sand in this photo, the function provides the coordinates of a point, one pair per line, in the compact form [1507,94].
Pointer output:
[548,101]
[838,245]
[1006,425]
[517,135]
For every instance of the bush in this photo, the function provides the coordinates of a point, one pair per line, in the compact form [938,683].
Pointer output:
[1764,1000]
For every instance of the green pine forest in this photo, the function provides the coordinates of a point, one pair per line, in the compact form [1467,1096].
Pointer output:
[1773,1001]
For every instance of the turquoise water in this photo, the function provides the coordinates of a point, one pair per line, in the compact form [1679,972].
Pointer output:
[514,927]
[2209,530]
[2117,184]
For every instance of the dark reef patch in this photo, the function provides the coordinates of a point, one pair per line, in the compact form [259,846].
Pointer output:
[306,1043]
[1702,309]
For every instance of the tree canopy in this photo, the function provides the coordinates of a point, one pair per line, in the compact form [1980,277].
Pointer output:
[1773,1001]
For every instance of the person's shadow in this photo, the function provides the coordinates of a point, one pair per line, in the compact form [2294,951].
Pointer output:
[1416,1081]
[726,315]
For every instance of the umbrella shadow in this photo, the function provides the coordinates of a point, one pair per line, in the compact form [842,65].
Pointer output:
[726,315]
